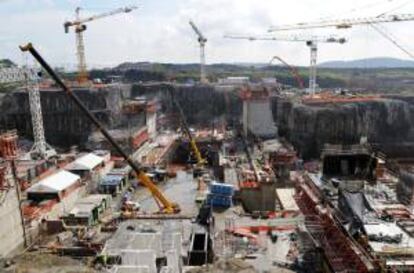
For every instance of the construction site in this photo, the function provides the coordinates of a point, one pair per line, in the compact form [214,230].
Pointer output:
[227,172]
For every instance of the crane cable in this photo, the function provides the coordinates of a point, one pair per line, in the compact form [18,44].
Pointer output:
[396,8]
[389,37]
[355,9]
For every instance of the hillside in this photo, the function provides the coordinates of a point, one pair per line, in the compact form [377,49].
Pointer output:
[380,62]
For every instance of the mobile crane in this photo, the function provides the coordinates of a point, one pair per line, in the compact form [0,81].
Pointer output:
[166,206]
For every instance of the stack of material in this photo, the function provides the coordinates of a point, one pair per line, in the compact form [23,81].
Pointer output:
[221,195]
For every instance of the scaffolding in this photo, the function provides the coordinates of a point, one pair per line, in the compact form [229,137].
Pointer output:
[339,249]
[8,144]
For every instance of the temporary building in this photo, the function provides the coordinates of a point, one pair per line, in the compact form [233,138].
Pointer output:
[53,186]
[85,164]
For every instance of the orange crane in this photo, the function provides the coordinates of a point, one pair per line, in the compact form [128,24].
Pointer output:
[292,69]
[80,27]
[164,204]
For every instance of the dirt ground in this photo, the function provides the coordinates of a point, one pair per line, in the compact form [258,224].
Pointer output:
[35,262]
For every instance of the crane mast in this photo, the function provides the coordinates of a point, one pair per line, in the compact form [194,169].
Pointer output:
[30,77]
[202,41]
[80,27]
[346,23]
[311,42]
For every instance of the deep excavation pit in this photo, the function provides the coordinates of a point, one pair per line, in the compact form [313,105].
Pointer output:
[386,122]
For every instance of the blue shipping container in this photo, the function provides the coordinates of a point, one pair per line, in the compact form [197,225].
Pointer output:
[222,189]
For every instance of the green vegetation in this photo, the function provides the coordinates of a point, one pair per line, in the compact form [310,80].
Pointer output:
[6,63]
[371,79]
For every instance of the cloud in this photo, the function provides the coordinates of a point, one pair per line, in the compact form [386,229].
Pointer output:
[159,30]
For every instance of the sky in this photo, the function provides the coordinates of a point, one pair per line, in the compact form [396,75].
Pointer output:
[158,31]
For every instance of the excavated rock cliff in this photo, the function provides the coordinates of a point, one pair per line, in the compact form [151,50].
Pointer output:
[64,124]
[383,121]
[201,105]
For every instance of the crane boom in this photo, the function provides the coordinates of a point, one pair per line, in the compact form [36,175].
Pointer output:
[197,31]
[346,23]
[167,206]
[292,69]
[311,42]
[80,27]
[78,22]
[290,38]
[202,41]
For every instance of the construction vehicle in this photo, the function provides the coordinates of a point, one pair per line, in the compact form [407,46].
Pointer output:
[292,69]
[346,23]
[202,41]
[163,203]
[311,42]
[80,27]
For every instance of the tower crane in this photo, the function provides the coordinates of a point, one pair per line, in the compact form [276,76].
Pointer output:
[80,27]
[311,42]
[202,41]
[292,69]
[346,23]
[30,77]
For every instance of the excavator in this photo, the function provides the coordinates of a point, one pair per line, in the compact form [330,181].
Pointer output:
[165,205]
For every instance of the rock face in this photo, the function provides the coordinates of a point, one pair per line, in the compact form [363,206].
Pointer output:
[202,105]
[384,122]
[64,124]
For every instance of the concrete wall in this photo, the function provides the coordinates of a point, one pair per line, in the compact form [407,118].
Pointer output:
[11,231]
[258,119]
[152,124]
[260,199]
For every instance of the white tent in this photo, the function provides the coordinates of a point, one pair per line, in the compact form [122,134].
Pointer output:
[55,183]
[87,162]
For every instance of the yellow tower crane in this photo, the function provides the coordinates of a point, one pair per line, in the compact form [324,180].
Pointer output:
[80,27]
